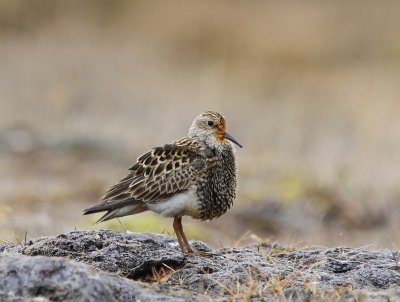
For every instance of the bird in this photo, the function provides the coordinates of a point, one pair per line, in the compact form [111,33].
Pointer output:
[193,176]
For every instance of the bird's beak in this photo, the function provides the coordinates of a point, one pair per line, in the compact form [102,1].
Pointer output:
[230,137]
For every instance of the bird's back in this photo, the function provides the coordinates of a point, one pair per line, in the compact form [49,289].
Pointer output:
[157,176]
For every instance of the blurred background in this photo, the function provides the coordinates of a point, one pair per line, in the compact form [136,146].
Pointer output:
[311,89]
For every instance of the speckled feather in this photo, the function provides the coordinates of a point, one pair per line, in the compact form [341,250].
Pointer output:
[194,163]
[161,172]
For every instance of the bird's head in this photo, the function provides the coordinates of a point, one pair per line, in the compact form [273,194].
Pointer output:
[210,127]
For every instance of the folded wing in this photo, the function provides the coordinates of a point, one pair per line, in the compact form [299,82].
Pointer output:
[157,175]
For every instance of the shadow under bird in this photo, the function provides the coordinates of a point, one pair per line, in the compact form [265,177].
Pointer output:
[193,176]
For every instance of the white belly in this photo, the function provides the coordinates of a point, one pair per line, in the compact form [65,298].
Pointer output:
[181,204]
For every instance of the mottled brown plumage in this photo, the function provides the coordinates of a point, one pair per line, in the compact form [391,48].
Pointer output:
[193,176]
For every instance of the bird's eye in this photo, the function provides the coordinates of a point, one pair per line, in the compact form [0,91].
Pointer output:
[210,123]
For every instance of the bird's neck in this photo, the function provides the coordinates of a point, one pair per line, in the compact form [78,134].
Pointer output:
[212,143]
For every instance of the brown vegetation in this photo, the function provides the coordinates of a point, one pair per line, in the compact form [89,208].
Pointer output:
[311,90]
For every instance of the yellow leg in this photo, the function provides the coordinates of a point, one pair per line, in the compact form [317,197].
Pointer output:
[182,240]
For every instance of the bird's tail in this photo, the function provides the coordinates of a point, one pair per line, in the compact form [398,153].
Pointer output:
[127,207]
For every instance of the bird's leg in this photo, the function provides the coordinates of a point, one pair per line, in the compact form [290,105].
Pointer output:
[177,227]
[189,248]
[183,243]
[186,242]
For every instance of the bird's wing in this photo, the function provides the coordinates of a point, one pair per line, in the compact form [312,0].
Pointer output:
[159,174]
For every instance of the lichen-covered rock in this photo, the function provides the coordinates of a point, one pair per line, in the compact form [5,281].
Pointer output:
[24,278]
[130,266]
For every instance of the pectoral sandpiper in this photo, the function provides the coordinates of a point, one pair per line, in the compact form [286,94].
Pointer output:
[194,176]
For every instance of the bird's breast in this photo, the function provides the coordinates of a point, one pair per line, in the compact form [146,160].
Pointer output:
[217,191]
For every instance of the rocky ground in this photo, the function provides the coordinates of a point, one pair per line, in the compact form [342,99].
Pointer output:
[110,266]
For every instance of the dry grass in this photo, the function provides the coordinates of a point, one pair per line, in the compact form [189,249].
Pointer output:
[279,287]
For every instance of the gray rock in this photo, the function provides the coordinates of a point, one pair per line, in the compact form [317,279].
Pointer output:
[42,278]
[111,266]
